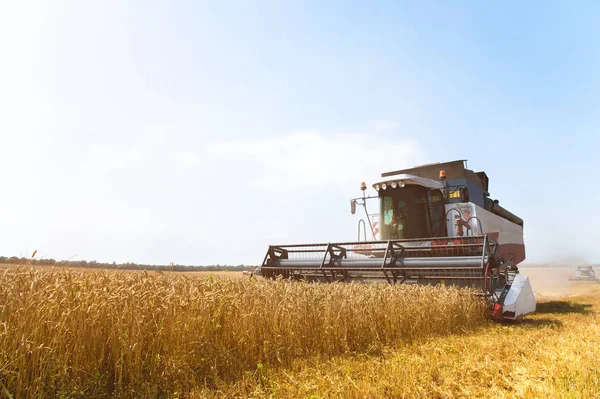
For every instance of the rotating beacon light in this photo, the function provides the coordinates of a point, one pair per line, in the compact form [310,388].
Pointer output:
[443,180]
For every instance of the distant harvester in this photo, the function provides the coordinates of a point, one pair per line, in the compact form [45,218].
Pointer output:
[584,273]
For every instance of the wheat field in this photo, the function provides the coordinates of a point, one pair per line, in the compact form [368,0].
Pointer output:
[553,353]
[68,333]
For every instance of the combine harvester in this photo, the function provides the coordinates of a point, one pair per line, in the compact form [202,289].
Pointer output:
[437,225]
[584,273]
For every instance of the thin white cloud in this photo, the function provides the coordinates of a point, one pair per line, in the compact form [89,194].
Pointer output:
[384,125]
[312,159]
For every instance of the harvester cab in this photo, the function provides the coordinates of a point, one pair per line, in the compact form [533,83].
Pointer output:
[436,225]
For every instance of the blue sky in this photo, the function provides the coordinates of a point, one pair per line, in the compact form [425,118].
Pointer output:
[166,131]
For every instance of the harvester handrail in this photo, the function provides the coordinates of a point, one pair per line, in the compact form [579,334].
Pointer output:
[380,249]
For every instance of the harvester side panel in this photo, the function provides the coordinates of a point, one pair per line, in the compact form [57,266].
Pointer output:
[508,235]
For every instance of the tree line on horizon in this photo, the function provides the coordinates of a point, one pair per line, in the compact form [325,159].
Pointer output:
[15,260]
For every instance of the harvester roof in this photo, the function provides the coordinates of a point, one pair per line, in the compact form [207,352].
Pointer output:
[455,170]
[406,178]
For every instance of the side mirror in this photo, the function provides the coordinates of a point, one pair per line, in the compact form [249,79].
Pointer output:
[353,206]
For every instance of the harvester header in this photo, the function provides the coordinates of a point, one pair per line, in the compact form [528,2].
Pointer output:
[436,225]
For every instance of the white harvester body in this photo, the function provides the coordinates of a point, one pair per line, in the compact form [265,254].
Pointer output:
[436,225]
